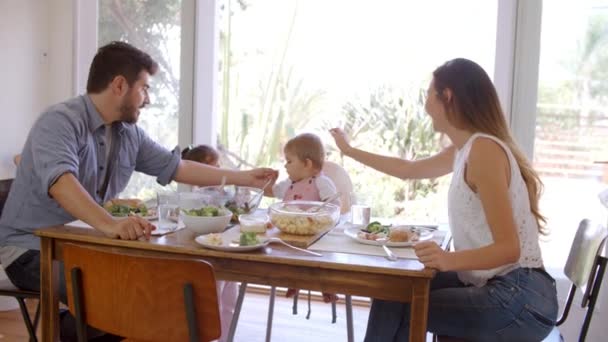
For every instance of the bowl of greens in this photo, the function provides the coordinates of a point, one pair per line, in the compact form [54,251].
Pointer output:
[207,219]
[238,199]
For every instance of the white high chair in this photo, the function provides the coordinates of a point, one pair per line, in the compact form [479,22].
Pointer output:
[342,181]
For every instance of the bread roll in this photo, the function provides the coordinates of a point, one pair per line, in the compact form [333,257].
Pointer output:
[402,234]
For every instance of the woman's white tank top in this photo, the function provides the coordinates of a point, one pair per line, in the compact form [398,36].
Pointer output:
[468,222]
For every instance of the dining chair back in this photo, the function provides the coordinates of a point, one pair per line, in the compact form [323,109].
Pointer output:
[8,289]
[139,297]
[585,268]
[342,181]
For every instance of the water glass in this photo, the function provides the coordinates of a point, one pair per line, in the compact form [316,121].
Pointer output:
[360,210]
[168,210]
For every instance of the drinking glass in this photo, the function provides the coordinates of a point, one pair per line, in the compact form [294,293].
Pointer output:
[167,209]
[361,209]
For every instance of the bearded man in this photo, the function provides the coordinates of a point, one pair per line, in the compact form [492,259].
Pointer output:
[81,153]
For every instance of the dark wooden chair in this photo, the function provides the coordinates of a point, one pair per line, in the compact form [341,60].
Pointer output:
[7,288]
[141,298]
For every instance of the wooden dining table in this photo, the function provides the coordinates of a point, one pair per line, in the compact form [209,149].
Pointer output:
[404,280]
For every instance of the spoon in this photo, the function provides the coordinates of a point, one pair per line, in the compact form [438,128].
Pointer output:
[325,203]
[221,186]
[274,239]
[258,195]
[235,243]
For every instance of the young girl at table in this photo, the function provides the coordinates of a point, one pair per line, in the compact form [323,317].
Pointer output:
[493,286]
[304,157]
[203,154]
[227,290]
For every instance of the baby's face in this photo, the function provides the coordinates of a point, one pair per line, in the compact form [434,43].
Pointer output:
[296,168]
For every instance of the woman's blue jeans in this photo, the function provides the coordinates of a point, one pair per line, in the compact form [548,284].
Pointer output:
[519,306]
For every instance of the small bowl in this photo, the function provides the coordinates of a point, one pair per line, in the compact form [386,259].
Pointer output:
[298,217]
[255,222]
[207,224]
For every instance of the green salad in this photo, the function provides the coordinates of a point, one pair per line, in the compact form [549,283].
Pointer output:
[248,239]
[377,227]
[121,210]
[237,210]
[209,211]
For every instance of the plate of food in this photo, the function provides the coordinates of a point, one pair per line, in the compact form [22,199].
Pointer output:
[232,241]
[121,207]
[378,234]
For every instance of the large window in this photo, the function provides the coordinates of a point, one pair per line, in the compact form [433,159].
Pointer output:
[572,120]
[155,27]
[292,66]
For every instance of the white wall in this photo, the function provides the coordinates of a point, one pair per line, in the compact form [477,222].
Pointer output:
[35,64]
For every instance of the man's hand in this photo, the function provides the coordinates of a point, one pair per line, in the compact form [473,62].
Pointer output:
[273,181]
[341,140]
[432,256]
[257,178]
[129,228]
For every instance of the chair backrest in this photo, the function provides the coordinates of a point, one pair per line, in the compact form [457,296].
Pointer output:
[341,179]
[141,297]
[5,187]
[585,248]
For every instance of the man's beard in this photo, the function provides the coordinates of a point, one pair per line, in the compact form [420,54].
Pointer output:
[128,113]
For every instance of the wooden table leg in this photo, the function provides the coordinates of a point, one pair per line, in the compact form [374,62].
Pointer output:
[49,291]
[419,309]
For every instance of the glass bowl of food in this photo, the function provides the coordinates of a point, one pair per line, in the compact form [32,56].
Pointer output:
[238,199]
[304,217]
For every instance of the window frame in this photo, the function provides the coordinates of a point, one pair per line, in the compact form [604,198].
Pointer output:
[515,77]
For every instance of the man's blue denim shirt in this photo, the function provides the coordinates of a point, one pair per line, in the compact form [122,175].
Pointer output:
[70,137]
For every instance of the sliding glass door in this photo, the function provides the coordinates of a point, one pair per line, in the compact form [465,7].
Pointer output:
[155,27]
[290,66]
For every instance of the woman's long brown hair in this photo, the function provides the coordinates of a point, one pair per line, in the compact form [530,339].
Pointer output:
[475,105]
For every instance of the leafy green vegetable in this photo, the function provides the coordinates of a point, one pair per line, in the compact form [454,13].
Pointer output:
[377,227]
[237,210]
[249,239]
[120,210]
[209,211]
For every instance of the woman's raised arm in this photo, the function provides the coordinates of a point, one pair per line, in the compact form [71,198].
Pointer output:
[437,165]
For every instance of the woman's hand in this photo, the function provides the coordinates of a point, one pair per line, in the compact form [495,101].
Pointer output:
[341,140]
[259,177]
[432,256]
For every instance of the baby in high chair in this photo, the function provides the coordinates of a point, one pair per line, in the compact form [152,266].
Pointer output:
[304,157]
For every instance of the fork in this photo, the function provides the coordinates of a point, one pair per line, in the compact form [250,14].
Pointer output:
[389,254]
[274,239]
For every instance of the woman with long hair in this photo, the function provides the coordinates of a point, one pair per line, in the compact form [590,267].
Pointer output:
[493,286]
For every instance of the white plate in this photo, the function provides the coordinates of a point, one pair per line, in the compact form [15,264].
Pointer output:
[352,233]
[228,244]
[149,217]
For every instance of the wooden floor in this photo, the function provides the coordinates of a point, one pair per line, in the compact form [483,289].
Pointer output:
[252,324]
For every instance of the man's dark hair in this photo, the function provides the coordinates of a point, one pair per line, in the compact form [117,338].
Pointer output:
[118,58]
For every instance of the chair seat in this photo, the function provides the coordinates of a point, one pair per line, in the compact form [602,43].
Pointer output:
[554,336]
[6,284]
